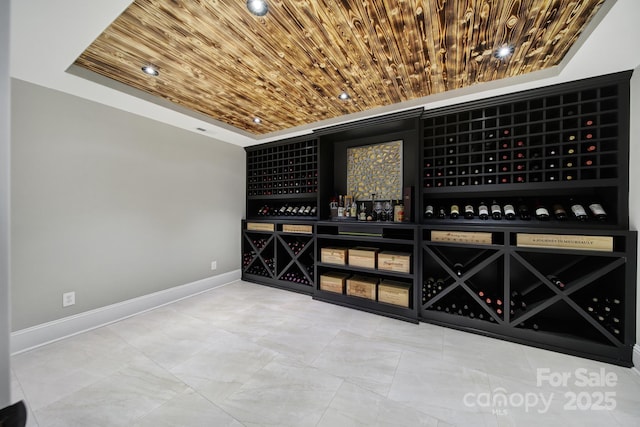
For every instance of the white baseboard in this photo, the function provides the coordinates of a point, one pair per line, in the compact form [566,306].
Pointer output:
[636,358]
[29,338]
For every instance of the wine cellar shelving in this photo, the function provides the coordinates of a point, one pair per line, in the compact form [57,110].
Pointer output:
[575,299]
[382,237]
[573,136]
[570,142]
[279,258]
[494,178]
[282,180]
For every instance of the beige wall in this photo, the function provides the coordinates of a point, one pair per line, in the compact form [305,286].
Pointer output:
[112,205]
[5,383]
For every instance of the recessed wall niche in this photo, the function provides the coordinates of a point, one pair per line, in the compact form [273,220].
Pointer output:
[375,170]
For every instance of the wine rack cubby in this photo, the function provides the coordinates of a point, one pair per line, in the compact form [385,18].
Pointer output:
[566,142]
[282,175]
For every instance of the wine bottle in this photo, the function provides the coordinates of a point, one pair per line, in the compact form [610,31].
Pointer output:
[496,211]
[428,212]
[442,213]
[542,213]
[598,212]
[313,211]
[559,212]
[469,212]
[523,211]
[458,269]
[556,281]
[483,211]
[578,210]
[283,209]
[454,211]
[509,212]
[295,210]
[289,210]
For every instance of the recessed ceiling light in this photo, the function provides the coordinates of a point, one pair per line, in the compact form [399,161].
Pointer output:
[504,51]
[344,96]
[258,7]
[257,120]
[150,70]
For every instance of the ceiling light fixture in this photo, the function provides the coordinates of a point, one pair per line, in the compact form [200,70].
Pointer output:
[257,120]
[151,70]
[258,7]
[504,51]
[344,96]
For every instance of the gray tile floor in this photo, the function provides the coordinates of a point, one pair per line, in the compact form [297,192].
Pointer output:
[249,355]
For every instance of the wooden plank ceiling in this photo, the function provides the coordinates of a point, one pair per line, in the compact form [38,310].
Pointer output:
[289,66]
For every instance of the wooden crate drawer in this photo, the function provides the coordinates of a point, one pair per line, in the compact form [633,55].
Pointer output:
[334,282]
[363,257]
[333,255]
[363,287]
[297,228]
[260,226]
[392,292]
[394,261]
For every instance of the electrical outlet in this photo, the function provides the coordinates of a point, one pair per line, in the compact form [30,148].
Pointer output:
[214,265]
[68,298]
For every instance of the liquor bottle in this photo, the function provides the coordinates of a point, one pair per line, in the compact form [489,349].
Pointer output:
[496,211]
[469,212]
[509,212]
[483,211]
[598,212]
[578,210]
[454,212]
[542,213]
[428,212]
[354,209]
[559,212]
[523,211]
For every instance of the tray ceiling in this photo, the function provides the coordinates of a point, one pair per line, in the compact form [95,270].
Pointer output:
[289,67]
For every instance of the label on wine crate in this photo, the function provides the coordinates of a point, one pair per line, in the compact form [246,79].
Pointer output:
[475,237]
[395,293]
[260,226]
[297,228]
[363,287]
[332,255]
[334,282]
[394,261]
[563,241]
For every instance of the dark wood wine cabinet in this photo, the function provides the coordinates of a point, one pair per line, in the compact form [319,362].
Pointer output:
[282,174]
[280,258]
[576,301]
[552,146]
